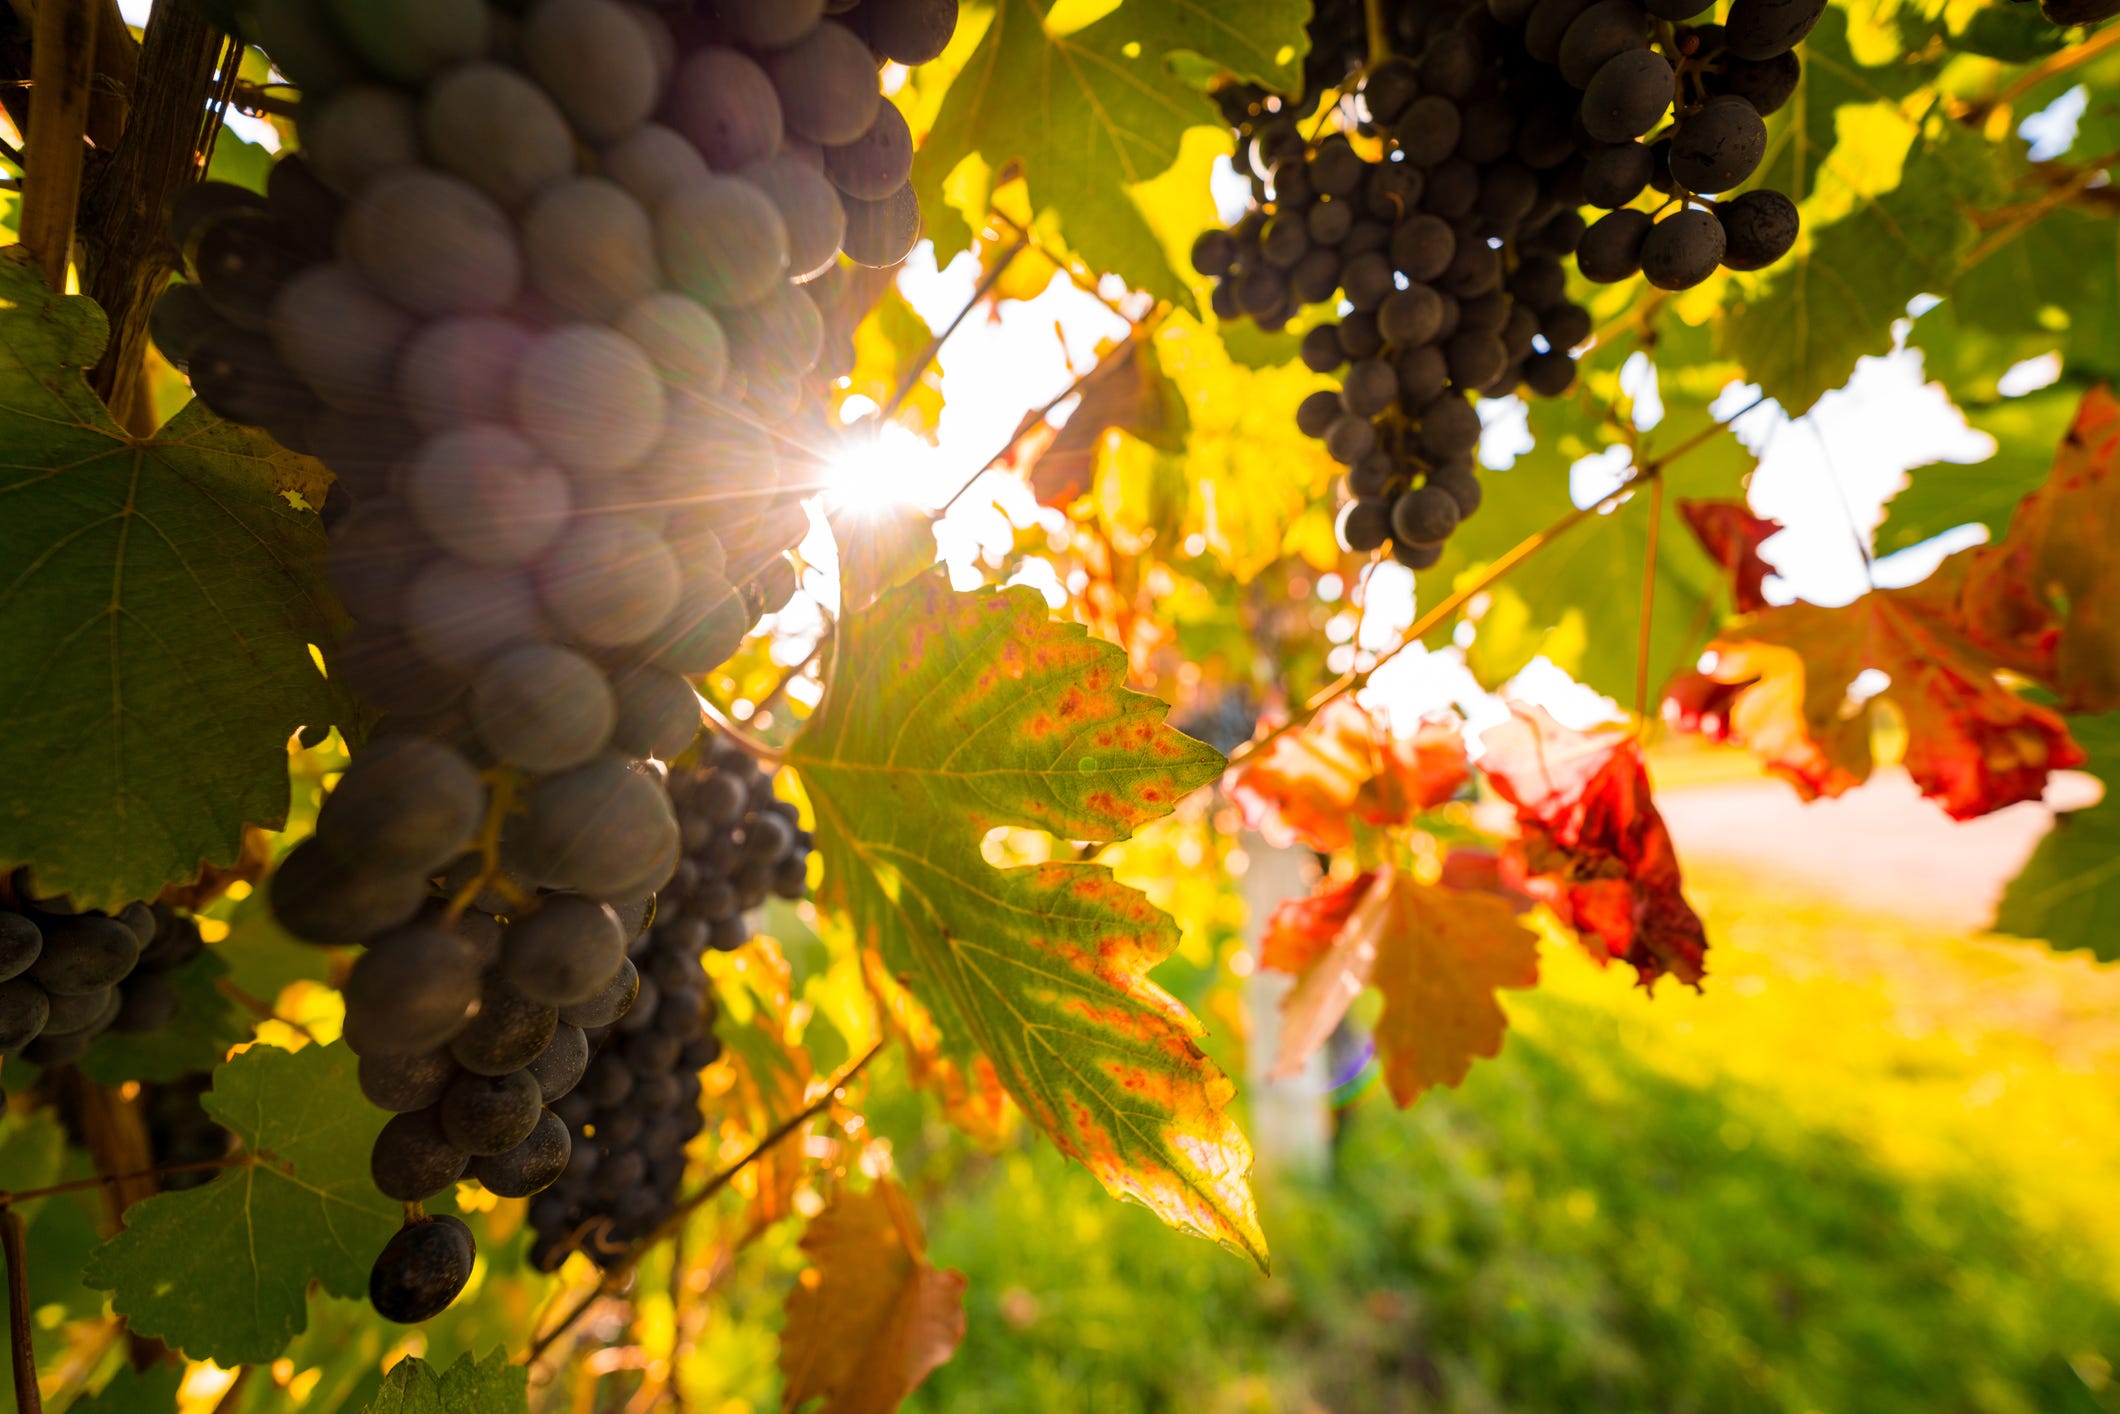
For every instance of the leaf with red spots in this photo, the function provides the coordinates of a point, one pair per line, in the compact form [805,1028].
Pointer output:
[1732,535]
[950,715]
[1437,955]
[2046,599]
[870,1318]
[1590,844]
[1343,766]
[1972,745]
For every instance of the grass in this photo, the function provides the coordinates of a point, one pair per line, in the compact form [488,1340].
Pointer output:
[1870,1170]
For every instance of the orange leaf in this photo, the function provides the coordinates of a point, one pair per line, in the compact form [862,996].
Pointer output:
[2045,600]
[1342,764]
[1591,844]
[1973,745]
[1301,929]
[1732,535]
[869,1319]
[1438,956]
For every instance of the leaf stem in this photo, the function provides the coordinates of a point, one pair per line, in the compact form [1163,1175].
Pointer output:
[2059,62]
[8,1200]
[1379,31]
[21,1345]
[616,1276]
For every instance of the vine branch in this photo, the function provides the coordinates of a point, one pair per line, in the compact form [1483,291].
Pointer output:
[21,1345]
[62,63]
[616,1276]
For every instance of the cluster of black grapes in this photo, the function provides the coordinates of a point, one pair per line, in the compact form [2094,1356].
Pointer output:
[638,1106]
[180,1132]
[547,288]
[69,974]
[1442,240]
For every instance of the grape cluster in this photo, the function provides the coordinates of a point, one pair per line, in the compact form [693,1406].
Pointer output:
[1440,225]
[69,974]
[638,1106]
[547,288]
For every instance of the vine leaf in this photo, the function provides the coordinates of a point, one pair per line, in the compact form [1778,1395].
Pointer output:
[950,715]
[494,1385]
[1343,766]
[132,1391]
[1591,845]
[157,599]
[2069,891]
[1732,535]
[222,1271]
[1092,114]
[1437,955]
[1972,745]
[1302,930]
[870,1318]
[2046,600]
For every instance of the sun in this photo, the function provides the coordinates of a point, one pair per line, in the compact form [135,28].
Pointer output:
[883,467]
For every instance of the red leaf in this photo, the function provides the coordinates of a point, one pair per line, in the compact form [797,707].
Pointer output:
[1591,844]
[1301,929]
[1732,535]
[1438,956]
[2045,600]
[1343,764]
[1973,745]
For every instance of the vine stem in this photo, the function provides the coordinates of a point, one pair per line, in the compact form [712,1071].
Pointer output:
[1485,579]
[1379,32]
[62,67]
[616,1277]
[2059,63]
[82,1185]
[20,1343]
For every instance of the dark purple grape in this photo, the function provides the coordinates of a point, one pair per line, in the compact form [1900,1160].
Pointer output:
[1683,249]
[1759,228]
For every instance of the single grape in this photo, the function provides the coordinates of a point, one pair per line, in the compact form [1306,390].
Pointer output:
[24,1008]
[1422,247]
[1425,516]
[357,134]
[558,1068]
[432,243]
[1429,130]
[1316,414]
[723,241]
[402,1084]
[404,803]
[1628,96]
[484,494]
[412,990]
[20,942]
[590,397]
[147,1002]
[1370,387]
[489,1114]
[602,829]
[911,32]
[595,62]
[882,233]
[509,1031]
[1616,174]
[497,130]
[610,581]
[1449,428]
[1612,247]
[1683,249]
[1364,526]
[589,247]
[242,260]
[1759,228]
[542,707]
[827,84]
[1350,439]
[410,40]
[608,1005]
[180,321]
[1423,373]
[422,1270]
[1460,484]
[653,162]
[809,207]
[83,1014]
[462,370]
[1766,84]
[658,713]
[85,953]
[1606,30]
[1718,146]
[531,1166]
[1547,26]
[727,107]
[321,898]
[878,162]
[460,616]
[1761,29]
[341,337]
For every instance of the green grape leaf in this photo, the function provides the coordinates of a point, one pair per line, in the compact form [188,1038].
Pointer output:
[206,1025]
[1886,182]
[1092,113]
[2069,891]
[2053,286]
[133,1391]
[1578,599]
[1943,495]
[494,1385]
[157,601]
[950,715]
[222,1271]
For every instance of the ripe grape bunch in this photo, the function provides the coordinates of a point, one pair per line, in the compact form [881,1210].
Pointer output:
[1441,239]
[69,974]
[546,287]
[638,1105]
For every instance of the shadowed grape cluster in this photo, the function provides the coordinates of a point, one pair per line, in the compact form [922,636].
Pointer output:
[69,974]
[638,1104]
[549,287]
[1438,221]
